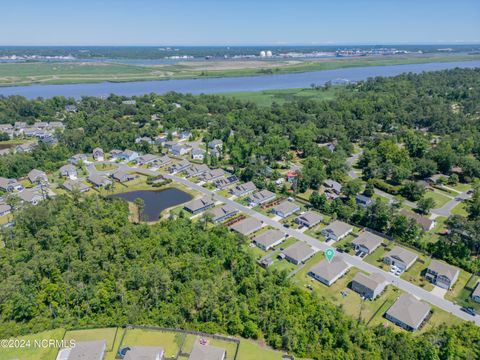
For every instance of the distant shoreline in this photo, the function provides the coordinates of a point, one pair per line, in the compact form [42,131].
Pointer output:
[62,73]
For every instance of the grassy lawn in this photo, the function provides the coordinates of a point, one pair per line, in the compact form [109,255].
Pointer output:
[107,334]
[170,341]
[106,167]
[268,97]
[414,274]
[460,209]
[433,235]
[344,242]
[252,350]
[462,290]
[5,219]
[31,352]
[439,198]
[438,318]
[461,187]
[376,258]
[315,232]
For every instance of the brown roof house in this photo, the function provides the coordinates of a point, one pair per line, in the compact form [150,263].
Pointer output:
[408,312]
[441,274]
[425,223]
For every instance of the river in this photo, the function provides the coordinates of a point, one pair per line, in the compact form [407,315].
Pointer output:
[228,84]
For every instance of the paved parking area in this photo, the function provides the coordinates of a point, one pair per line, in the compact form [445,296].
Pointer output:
[438,291]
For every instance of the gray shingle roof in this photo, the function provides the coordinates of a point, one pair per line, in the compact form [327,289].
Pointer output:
[369,281]
[369,240]
[299,251]
[206,352]
[87,350]
[409,310]
[443,269]
[330,270]
[269,237]
[144,353]
[246,226]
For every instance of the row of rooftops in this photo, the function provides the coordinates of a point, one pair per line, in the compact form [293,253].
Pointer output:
[95,350]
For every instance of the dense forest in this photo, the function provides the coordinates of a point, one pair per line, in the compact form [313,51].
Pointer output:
[80,262]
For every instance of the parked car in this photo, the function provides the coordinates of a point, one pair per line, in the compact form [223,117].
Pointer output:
[469,310]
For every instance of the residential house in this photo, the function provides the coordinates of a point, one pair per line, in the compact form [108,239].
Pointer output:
[180,150]
[285,209]
[71,108]
[98,154]
[327,272]
[69,171]
[425,223]
[169,144]
[261,197]
[207,352]
[292,176]
[10,184]
[99,180]
[20,125]
[75,159]
[5,209]
[144,139]
[123,176]
[408,312]
[400,258]
[198,154]
[436,179]
[161,140]
[337,230]
[36,176]
[196,170]
[72,185]
[222,213]
[225,182]
[129,102]
[32,196]
[185,135]
[369,286]
[243,189]
[441,274]
[212,175]
[476,293]
[25,148]
[179,167]
[333,186]
[364,201]
[367,242]
[162,161]
[309,219]
[269,239]
[246,226]
[216,144]
[147,159]
[128,155]
[298,253]
[198,205]
[115,154]
[144,353]
[91,350]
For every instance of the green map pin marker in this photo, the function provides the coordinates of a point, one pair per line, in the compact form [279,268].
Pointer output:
[329,253]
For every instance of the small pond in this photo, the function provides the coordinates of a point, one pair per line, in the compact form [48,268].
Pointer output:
[156,200]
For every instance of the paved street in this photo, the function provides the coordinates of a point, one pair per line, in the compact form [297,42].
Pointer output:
[354,261]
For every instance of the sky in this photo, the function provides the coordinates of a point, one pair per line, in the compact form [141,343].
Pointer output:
[238,22]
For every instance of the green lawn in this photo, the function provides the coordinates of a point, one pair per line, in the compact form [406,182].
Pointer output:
[107,334]
[460,209]
[268,97]
[251,350]
[170,341]
[462,290]
[31,352]
[414,274]
[106,167]
[376,258]
[439,198]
